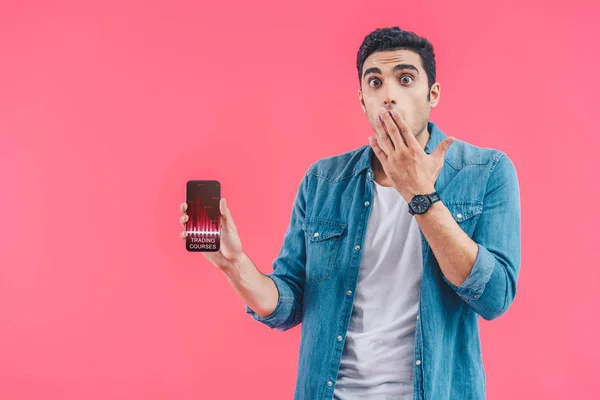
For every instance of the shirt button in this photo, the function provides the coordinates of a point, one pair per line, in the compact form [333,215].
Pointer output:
[339,338]
[356,248]
[417,317]
[418,362]
[459,216]
[349,292]
[476,296]
[329,383]
[316,234]
[369,174]
[367,203]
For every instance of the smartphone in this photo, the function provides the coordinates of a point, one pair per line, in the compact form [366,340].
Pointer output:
[203,227]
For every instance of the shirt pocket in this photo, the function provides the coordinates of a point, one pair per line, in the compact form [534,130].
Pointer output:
[323,242]
[466,214]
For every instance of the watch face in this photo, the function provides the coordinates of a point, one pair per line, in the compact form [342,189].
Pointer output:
[420,204]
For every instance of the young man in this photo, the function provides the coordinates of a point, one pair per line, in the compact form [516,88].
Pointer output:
[393,250]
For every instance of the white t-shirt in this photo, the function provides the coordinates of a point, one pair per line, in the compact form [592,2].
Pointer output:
[378,357]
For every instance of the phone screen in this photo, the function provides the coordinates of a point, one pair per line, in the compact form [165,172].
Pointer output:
[203,227]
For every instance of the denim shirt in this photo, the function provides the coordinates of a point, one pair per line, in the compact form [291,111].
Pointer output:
[316,270]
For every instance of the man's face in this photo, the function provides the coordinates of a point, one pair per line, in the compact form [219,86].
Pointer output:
[396,80]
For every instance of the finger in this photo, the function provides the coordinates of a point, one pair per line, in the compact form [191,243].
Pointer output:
[383,139]
[183,207]
[377,150]
[183,220]
[407,135]
[183,234]
[392,129]
[443,147]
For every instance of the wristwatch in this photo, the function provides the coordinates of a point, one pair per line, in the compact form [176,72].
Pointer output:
[422,202]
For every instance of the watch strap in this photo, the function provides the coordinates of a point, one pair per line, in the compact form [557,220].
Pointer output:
[433,197]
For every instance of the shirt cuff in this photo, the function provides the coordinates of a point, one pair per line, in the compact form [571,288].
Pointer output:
[284,308]
[472,288]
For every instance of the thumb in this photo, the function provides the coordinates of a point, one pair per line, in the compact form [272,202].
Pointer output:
[222,206]
[443,147]
[227,220]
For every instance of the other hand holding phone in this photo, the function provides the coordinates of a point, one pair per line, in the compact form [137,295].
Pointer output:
[230,249]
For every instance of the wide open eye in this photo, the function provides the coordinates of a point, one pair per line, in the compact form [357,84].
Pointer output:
[374,80]
[404,79]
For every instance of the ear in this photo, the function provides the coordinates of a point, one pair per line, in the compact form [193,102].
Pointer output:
[434,93]
[362,101]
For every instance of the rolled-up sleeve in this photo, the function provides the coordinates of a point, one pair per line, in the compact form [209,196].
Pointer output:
[491,285]
[289,270]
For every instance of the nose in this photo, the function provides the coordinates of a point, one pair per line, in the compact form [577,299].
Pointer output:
[389,103]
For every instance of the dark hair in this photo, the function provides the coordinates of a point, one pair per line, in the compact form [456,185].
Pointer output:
[394,38]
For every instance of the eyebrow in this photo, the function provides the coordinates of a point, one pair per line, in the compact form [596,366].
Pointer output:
[398,67]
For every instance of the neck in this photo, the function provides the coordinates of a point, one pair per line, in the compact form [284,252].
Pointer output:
[423,137]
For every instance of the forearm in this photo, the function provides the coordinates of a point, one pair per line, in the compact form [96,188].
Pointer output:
[454,250]
[254,288]
[468,267]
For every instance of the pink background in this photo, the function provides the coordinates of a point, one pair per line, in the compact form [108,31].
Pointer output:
[106,111]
